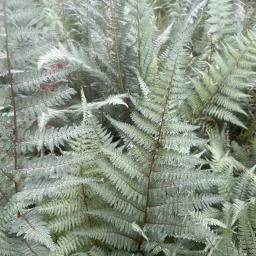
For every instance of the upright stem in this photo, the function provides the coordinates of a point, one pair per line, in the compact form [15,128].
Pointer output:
[85,198]
[139,35]
[157,145]
[15,139]
[212,49]
[89,44]
[9,80]
[116,49]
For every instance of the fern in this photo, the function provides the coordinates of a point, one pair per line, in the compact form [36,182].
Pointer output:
[226,19]
[222,93]
[21,104]
[136,191]
[233,219]
[131,201]
[158,161]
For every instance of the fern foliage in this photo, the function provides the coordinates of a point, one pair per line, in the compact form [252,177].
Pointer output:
[226,19]
[153,163]
[222,91]
[27,94]
[127,128]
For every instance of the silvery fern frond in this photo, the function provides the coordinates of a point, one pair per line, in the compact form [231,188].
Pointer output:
[222,91]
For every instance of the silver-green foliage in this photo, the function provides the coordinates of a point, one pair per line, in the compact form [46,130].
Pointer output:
[26,93]
[151,192]
[222,90]
[233,222]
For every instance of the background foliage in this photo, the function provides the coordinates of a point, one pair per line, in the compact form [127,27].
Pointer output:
[127,127]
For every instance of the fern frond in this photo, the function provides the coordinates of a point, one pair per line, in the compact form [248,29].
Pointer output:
[45,188]
[37,104]
[31,227]
[222,94]
[51,137]
[225,20]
